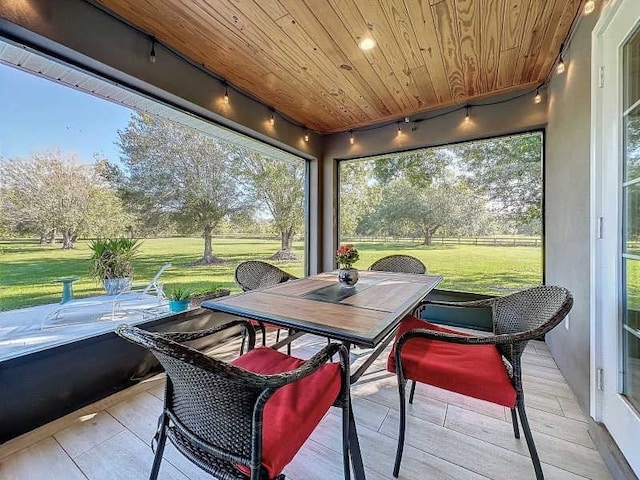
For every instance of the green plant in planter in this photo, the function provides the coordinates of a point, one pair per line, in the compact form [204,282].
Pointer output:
[112,262]
[178,298]
[208,293]
[179,293]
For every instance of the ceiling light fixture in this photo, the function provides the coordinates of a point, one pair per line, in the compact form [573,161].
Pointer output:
[351,140]
[226,93]
[399,129]
[306,135]
[272,120]
[467,117]
[538,97]
[367,43]
[560,67]
[589,7]
[152,53]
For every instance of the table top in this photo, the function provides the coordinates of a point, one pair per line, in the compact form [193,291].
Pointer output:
[363,315]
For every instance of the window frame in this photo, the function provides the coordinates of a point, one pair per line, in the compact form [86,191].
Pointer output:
[456,293]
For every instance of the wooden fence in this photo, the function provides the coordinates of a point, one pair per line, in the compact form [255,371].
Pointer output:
[506,241]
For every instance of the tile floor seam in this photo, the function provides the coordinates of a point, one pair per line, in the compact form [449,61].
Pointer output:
[70,457]
[526,454]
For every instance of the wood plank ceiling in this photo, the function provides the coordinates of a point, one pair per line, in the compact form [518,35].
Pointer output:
[302,58]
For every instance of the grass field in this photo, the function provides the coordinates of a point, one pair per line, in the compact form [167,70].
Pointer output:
[27,270]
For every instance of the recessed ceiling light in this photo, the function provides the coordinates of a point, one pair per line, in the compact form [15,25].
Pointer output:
[589,7]
[367,43]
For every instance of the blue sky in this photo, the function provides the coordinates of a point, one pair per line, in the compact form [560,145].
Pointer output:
[37,114]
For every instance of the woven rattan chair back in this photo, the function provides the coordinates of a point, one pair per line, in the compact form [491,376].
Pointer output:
[254,274]
[539,308]
[215,401]
[400,264]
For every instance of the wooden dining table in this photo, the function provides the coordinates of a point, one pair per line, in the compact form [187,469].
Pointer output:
[365,315]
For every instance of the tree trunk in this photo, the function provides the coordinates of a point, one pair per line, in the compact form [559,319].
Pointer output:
[43,238]
[67,240]
[286,246]
[207,256]
[52,237]
[427,237]
[287,240]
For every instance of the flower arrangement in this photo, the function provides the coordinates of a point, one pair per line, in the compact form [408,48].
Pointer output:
[347,255]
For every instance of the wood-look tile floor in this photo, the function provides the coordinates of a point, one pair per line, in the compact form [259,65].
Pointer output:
[449,436]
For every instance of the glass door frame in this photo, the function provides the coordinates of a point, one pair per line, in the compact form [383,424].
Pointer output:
[618,22]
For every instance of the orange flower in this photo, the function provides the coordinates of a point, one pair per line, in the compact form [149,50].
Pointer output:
[347,255]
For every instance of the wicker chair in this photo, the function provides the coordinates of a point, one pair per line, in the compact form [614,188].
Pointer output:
[228,418]
[489,367]
[254,274]
[399,263]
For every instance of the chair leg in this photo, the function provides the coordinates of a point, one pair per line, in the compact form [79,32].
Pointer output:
[264,334]
[345,440]
[413,390]
[162,439]
[244,339]
[403,423]
[289,333]
[530,444]
[277,335]
[514,420]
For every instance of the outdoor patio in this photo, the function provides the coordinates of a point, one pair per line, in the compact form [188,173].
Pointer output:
[449,436]
[292,80]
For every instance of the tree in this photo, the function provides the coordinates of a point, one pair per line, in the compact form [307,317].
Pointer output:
[418,167]
[49,191]
[107,216]
[508,172]
[278,186]
[176,172]
[407,209]
[357,196]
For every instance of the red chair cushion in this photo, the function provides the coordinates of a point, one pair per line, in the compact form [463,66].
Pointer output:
[293,412]
[473,370]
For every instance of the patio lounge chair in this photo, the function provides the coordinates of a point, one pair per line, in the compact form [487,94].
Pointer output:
[247,419]
[487,368]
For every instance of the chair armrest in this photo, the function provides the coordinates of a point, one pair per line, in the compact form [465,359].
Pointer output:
[314,363]
[503,339]
[188,336]
[488,302]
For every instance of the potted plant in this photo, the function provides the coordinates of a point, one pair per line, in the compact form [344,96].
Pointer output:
[346,256]
[178,297]
[112,262]
[208,293]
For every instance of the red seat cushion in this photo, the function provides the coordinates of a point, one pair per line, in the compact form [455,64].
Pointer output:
[473,370]
[293,412]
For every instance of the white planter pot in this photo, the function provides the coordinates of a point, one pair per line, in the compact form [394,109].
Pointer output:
[114,286]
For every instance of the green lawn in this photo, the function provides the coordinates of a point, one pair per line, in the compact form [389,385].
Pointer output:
[27,270]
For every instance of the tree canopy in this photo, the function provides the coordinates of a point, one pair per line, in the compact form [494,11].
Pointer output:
[277,186]
[176,172]
[470,188]
[52,192]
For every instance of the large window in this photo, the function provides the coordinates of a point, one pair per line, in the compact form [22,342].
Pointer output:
[83,159]
[472,212]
